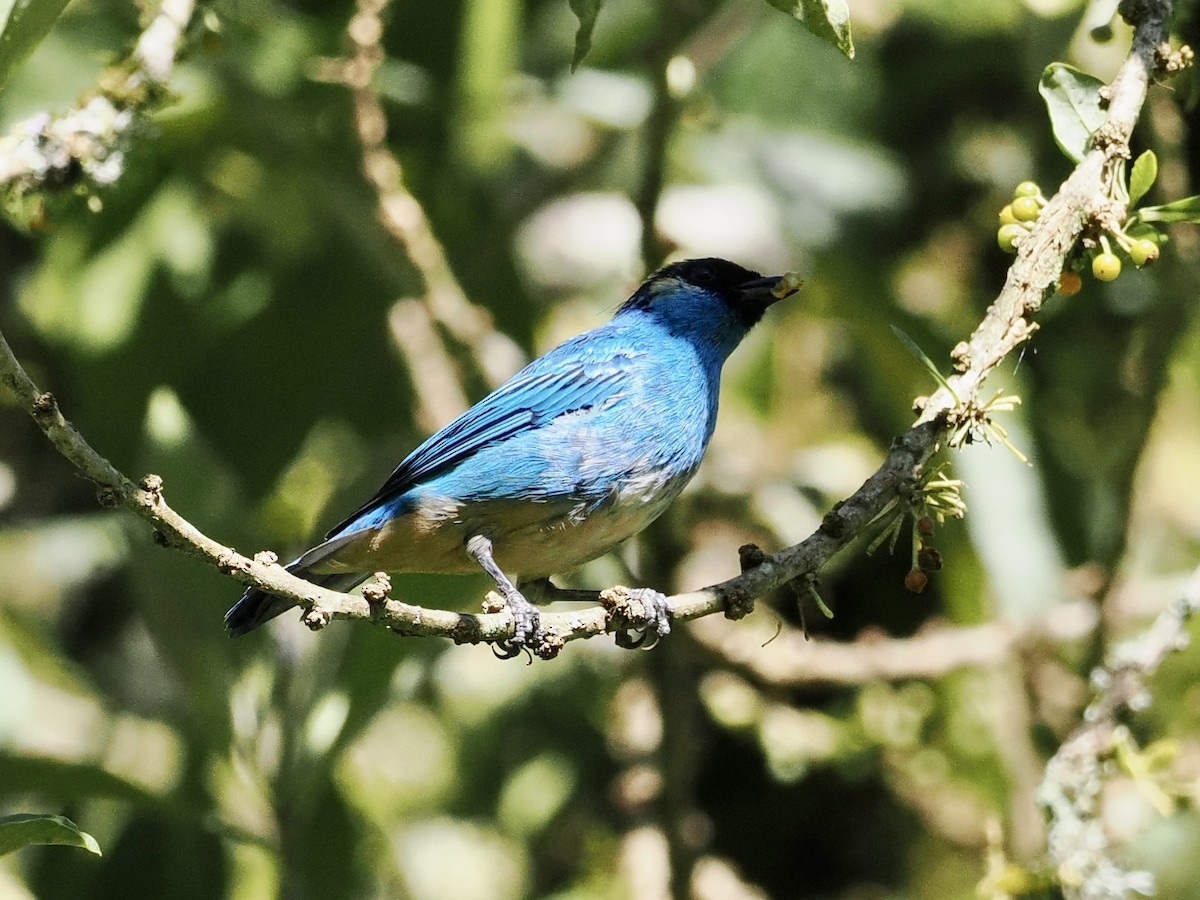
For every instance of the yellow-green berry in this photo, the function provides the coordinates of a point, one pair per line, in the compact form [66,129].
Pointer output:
[1106,267]
[1006,216]
[1008,236]
[1026,189]
[1142,252]
[1025,209]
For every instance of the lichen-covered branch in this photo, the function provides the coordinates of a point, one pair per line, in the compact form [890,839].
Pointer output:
[1083,198]
[1079,843]
[158,45]
[48,151]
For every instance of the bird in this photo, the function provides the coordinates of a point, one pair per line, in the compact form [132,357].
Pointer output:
[577,452]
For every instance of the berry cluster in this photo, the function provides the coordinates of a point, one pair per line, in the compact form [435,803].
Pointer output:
[1017,218]
[1140,243]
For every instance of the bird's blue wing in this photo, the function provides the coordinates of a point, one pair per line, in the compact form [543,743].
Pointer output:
[546,389]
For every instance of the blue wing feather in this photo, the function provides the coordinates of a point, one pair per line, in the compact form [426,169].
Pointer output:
[539,393]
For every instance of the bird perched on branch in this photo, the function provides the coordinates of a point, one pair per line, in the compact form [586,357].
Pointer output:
[578,451]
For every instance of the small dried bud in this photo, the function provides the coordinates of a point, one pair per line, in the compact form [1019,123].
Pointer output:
[43,403]
[961,354]
[750,556]
[316,619]
[834,523]
[925,526]
[376,590]
[916,580]
[1069,283]
[929,559]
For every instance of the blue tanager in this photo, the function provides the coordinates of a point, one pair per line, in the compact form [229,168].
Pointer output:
[580,450]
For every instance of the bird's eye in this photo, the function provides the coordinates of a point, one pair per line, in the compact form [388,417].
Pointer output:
[703,275]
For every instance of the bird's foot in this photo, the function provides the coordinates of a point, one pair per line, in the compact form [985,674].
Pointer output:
[527,623]
[648,624]
[527,627]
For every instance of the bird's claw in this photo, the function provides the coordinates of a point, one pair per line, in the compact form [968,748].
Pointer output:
[527,628]
[657,618]
[508,650]
[636,640]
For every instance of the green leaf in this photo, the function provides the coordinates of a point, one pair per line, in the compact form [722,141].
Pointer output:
[827,19]
[23,24]
[1145,170]
[24,829]
[1073,101]
[586,12]
[1185,210]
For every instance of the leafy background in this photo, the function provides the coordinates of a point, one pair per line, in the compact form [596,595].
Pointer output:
[226,320]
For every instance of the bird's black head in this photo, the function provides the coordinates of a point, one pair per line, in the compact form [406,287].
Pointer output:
[747,294]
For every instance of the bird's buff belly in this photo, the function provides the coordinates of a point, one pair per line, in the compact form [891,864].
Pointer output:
[531,538]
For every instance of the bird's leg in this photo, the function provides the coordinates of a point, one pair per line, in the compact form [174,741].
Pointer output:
[657,610]
[526,620]
[545,590]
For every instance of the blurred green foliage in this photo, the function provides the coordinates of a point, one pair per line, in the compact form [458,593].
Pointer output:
[223,321]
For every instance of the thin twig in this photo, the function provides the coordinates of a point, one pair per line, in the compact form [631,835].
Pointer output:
[435,383]
[400,213]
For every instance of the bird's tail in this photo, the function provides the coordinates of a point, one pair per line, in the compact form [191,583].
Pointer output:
[258,607]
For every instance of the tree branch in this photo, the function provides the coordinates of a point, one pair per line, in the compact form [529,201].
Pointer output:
[1079,842]
[159,44]
[52,151]
[791,659]
[1084,198]
[400,213]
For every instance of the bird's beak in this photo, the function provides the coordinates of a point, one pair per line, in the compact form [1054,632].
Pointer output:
[762,292]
